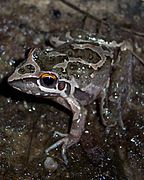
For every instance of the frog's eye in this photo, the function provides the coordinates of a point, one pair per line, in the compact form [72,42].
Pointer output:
[48,79]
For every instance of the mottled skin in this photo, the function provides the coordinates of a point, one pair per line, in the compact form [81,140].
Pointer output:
[74,73]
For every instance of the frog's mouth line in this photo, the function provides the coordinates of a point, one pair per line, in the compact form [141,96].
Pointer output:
[25,85]
[30,87]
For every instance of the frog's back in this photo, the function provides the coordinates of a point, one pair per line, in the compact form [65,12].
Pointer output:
[87,62]
[83,61]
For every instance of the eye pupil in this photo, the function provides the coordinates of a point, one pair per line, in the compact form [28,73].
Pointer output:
[48,80]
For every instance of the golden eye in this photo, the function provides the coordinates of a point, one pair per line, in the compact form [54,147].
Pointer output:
[48,79]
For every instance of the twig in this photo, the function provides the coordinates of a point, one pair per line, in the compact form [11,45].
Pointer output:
[99,20]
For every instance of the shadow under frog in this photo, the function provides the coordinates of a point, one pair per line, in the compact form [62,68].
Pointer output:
[74,73]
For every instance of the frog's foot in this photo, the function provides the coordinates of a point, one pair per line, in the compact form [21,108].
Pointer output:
[106,119]
[67,141]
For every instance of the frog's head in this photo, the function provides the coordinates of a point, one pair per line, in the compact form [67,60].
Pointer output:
[29,78]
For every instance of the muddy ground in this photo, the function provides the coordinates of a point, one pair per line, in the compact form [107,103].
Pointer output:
[27,123]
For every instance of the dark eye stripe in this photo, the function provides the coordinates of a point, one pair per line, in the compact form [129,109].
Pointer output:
[48,81]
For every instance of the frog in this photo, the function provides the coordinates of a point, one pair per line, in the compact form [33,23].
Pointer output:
[74,71]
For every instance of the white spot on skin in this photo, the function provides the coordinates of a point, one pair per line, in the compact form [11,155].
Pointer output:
[78,120]
[92,75]
[93,38]
[87,132]
[29,92]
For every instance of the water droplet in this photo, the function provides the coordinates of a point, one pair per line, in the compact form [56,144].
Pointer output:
[87,132]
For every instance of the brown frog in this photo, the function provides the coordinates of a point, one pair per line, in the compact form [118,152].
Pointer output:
[74,73]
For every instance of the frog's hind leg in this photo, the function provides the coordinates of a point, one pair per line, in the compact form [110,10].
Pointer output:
[110,110]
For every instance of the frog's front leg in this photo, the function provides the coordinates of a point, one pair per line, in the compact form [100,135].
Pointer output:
[77,127]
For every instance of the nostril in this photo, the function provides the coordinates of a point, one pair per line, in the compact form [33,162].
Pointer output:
[12,77]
